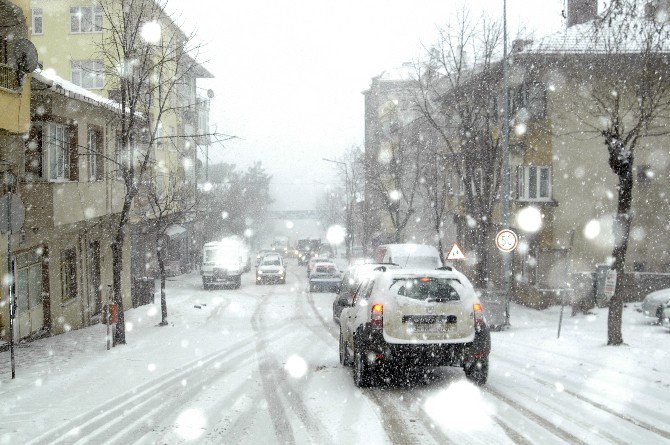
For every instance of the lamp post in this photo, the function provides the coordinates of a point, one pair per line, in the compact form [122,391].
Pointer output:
[505,167]
[349,198]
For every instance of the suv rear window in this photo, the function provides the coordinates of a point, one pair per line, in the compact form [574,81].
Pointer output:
[326,269]
[438,289]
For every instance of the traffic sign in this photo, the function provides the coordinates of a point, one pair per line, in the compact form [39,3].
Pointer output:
[506,240]
[12,213]
[456,252]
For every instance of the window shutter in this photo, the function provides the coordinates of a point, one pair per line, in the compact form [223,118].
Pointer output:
[34,152]
[100,166]
[74,152]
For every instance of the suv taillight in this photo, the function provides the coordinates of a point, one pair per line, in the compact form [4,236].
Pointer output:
[478,310]
[377,316]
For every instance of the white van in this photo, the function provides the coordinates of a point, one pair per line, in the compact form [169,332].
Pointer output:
[417,256]
[222,262]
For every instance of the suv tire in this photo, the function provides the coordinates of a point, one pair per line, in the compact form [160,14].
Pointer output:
[362,377]
[345,359]
[477,372]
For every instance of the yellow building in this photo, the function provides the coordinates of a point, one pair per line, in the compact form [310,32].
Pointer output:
[70,36]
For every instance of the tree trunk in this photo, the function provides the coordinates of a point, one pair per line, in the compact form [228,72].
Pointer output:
[161,268]
[621,229]
[482,272]
[117,266]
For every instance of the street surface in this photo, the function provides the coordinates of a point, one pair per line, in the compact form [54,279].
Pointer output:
[260,365]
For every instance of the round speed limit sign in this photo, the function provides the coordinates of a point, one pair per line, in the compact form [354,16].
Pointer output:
[506,240]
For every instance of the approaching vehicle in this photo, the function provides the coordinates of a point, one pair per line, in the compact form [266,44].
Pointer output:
[325,277]
[306,248]
[409,318]
[652,305]
[222,262]
[261,254]
[271,270]
[280,245]
[352,278]
[409,255]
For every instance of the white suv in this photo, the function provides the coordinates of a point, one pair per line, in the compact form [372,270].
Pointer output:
[403,318]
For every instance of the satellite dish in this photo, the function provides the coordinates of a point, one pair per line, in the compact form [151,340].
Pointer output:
[26,56]
[210,94]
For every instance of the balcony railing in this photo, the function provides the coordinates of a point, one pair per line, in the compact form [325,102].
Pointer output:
[8,77]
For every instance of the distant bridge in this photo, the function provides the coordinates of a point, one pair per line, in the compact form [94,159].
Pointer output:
[293,214]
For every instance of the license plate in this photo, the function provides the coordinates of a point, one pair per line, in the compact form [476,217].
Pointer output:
[432,327]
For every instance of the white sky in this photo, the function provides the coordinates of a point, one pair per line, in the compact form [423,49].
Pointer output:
[289,73]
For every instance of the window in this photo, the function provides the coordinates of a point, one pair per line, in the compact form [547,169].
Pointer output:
[88,74]
[438,289]
[532,97]
[58,151]
[34,153]
[534,183]
[36,16]
[68,262]
[29,280]
[95,154]
[85,19]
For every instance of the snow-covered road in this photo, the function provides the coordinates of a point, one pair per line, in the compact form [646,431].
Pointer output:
[260,365]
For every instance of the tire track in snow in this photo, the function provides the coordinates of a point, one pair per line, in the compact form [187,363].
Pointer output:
[639,423]
[198,384]
[128,399]
[544,423]
[272,380]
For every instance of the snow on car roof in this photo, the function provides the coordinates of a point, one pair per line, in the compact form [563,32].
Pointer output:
[411,249]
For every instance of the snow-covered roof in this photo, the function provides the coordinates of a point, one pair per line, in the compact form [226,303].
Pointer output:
[597,37]
[69,89]
[407,71]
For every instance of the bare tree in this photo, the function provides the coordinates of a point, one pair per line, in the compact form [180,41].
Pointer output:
[168,205]
[458,94]
[630,101]
[395,176]
[146,65]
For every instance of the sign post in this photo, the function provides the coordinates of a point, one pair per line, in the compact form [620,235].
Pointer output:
[12,215]
[506,241]
[610,284]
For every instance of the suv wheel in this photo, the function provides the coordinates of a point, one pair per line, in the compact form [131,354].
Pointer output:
[345,360]
[362,376]
[477,372]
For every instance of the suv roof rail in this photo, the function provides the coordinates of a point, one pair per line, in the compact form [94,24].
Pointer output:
[449,268]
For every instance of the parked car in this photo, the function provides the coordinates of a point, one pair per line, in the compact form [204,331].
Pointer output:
[409,255]
[652,305]
[271,270]
[351,279]
[414,318]
[325,277]
[222,262]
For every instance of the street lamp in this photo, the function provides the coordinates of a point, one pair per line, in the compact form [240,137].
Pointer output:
[348,187]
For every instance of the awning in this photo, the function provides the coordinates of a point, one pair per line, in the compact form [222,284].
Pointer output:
[174,230]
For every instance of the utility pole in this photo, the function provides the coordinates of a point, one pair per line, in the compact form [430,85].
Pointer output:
[505,166]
